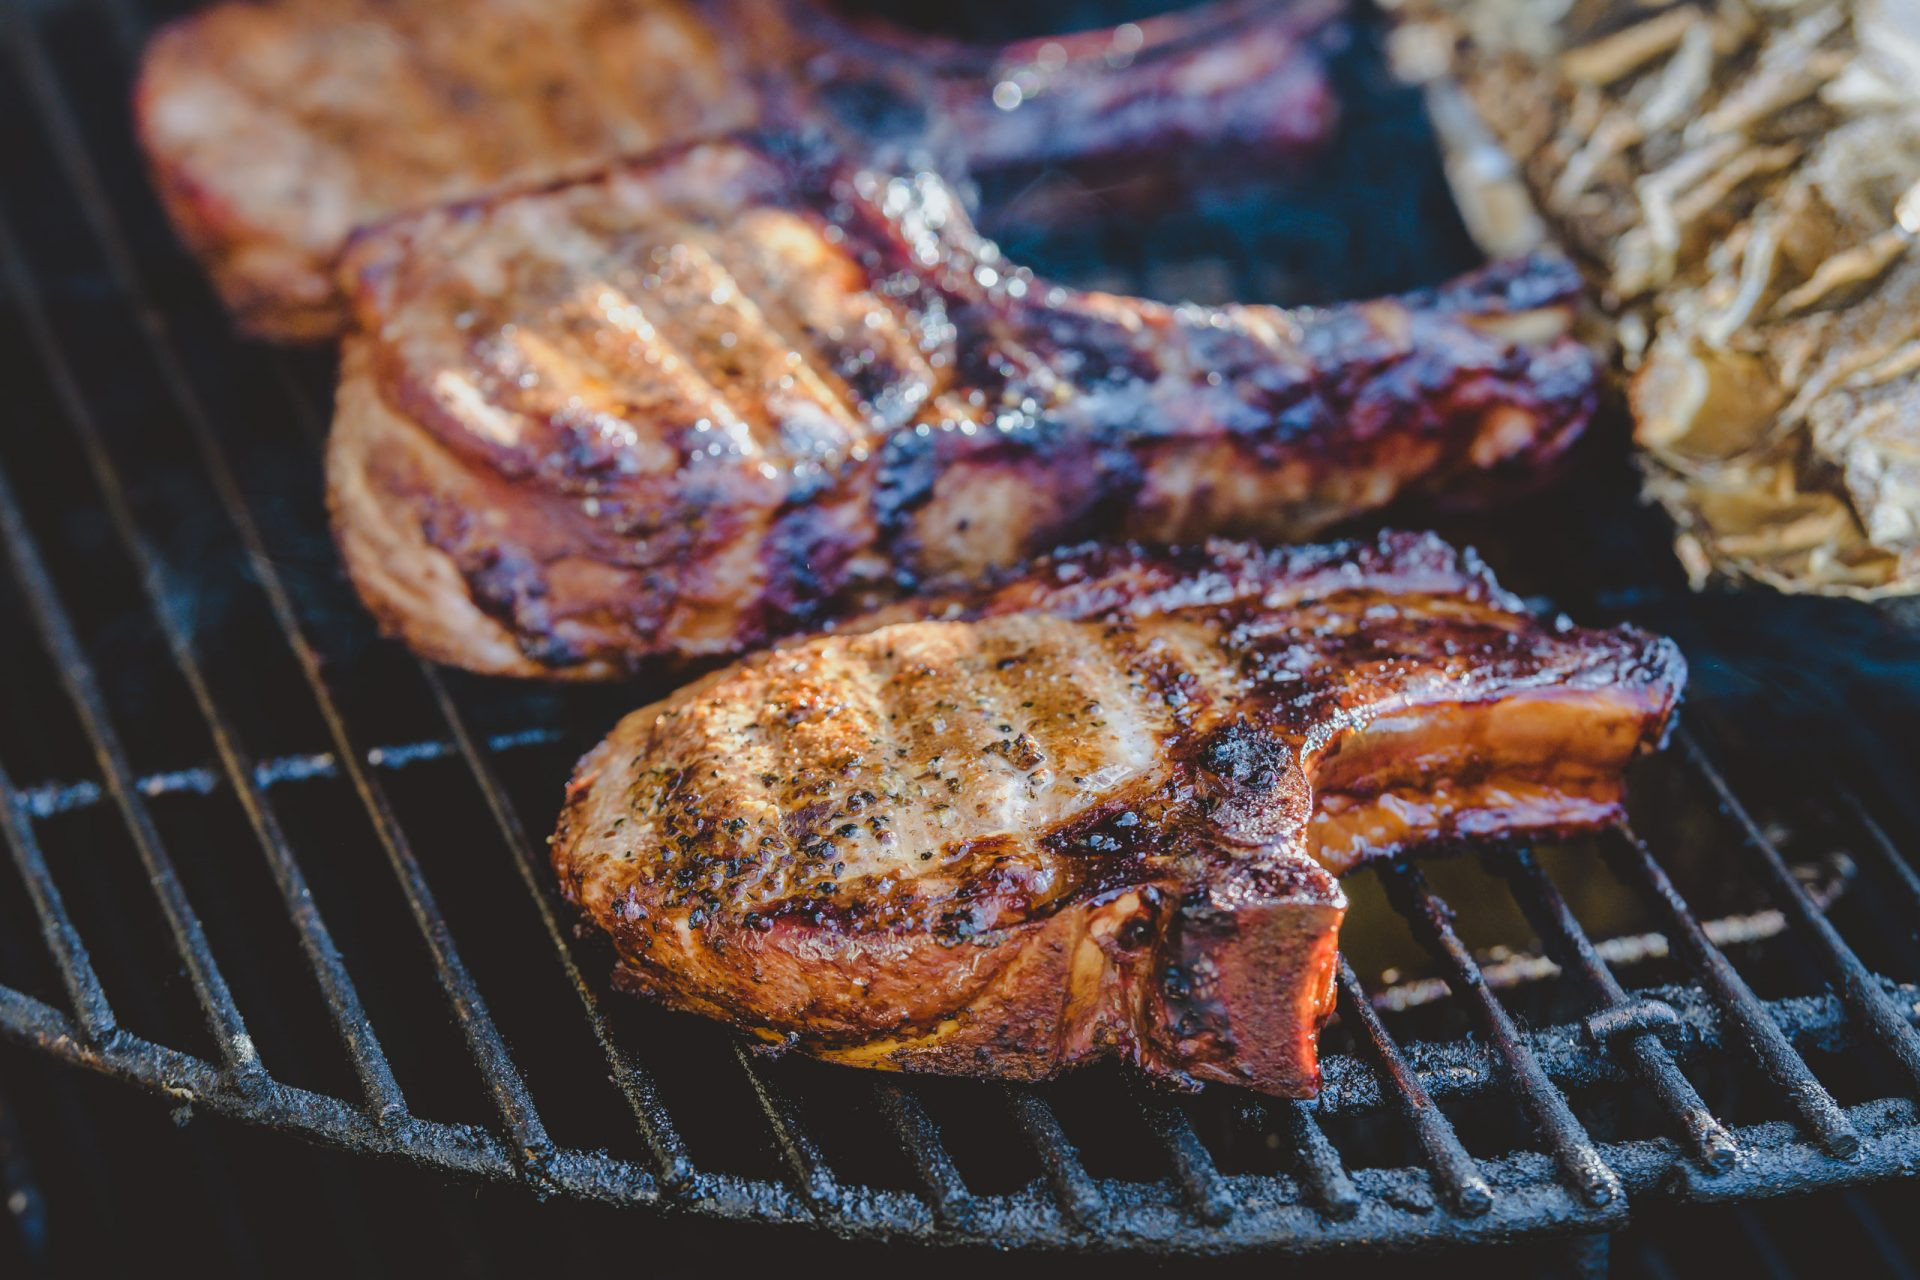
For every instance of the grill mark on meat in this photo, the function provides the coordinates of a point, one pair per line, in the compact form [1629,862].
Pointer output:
[1095,808]
[616,325]
[768,330]
[697,306]
[1040,695]
[818,303]
[659,323]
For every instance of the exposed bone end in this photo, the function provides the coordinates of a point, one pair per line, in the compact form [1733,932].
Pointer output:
[1248,981]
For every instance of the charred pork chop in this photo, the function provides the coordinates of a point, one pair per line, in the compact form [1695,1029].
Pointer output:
[1096,811]
[718,394]
[275,129]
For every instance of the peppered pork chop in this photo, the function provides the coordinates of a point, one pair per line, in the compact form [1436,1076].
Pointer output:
[275,129]
[712,396]
[1096,811]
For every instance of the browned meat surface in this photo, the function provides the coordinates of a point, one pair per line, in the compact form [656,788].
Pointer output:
[275,129]
[1096,811]
[711,397]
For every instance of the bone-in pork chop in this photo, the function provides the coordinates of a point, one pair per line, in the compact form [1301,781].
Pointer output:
[1096,811]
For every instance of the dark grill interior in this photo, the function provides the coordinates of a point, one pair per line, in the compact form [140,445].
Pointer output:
[257,856]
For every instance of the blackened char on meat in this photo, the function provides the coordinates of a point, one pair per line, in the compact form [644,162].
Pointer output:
[1096,810]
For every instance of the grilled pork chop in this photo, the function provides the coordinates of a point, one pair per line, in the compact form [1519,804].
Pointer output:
[1096,811]
[275,129]
[716,395]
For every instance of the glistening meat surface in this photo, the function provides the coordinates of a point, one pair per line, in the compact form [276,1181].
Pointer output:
[276,129]
[1095,811]
[717,395]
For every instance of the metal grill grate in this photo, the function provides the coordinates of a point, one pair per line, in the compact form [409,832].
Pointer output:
[162,541]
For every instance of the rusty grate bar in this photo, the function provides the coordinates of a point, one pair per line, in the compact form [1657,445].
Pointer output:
[1206,1192]
[1079,1195]
[953,1204]
[1320,1165]
[812,1176]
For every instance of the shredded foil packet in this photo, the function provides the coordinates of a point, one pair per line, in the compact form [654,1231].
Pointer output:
[1741,181]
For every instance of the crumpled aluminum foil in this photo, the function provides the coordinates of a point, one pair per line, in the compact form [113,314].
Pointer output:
[1741,180]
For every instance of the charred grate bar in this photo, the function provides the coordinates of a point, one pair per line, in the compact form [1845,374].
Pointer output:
[1535,1162]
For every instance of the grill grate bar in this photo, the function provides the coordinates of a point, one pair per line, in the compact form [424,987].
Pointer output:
[811,1175]
[1737,1002]
[1569,945]
[484,1042]
[1572,1149]
[1885,852]
[456,1148]
[1464,1068]
[56,926]
[343,998]
[1863,995]
[1079,1195]
[1270,1213]
[1207,1193]
[656,1127]
[81,686]
[953,1204]
[1320,1164]
[1461,1181]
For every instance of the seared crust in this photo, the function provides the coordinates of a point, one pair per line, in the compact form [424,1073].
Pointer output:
[276,129]
[1095,810]
[717,395]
